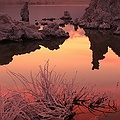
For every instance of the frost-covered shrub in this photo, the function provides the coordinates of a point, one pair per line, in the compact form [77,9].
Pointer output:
[49,96]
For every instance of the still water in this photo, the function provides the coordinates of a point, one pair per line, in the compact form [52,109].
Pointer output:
[95,55]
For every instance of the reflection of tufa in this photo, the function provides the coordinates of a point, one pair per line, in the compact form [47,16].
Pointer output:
[100,41]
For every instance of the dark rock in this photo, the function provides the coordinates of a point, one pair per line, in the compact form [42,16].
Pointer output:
[117,32]
[36,22]
[62,24]
[105,13]
[44,19]
[19,30]
[66,16]
[52,29]
[91,25]
[82,23]
[44,22]
[104,26]
[25,12]
[76,22]
[30,31]
[50,19]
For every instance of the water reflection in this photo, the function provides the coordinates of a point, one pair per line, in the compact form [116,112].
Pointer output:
[70,22]
[8,50]
[100,40]
[76,27]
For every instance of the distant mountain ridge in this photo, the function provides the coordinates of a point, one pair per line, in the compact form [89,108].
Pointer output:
[44,1]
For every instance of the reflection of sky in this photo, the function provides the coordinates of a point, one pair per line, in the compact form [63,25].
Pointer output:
[74,55]
[74,34]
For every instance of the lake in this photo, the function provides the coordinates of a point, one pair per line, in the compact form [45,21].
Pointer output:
[95,55]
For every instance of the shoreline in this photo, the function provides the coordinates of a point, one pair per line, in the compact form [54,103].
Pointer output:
[47,4]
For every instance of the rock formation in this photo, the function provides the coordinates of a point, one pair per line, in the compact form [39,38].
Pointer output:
[20,31]
[52,29]
[103,14]
[66,16]
[17,30]
[25,12]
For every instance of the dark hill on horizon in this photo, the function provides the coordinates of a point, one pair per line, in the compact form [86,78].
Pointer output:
[45,1]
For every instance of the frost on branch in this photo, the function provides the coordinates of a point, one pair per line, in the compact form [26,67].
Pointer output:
[49,96]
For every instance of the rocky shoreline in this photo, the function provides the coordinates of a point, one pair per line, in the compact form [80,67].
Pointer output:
[102,14]
[13,30]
